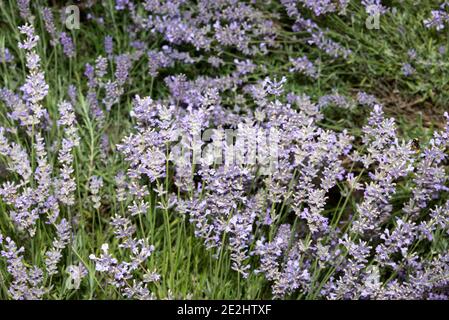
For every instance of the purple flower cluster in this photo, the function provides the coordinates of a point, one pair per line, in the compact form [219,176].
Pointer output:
[318,36]
[6,56]
[304,65]
[231,206]
[407,69]
[27,282]
[374,7]
[41,186]
[439,18]
[322,7]
[193,33]
[122,274]
[24,9]
[49,21]
[67,44]
[35,88]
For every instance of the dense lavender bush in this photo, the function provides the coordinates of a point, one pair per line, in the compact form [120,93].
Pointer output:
[177,143]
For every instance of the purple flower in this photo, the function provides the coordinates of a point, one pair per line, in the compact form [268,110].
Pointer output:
[67,44]
[123,66]
[319,7]
[47,15]
[6,56]
[24,9]
[407,70]
[121,4]
[76,273]
[374,7]
[304,65]
[438,20]
[35,88]
[96,183]
[108,44]
[26,283]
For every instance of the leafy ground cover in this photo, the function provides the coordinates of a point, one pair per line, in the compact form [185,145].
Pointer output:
[226,149]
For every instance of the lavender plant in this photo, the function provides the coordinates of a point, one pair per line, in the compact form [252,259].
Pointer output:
[222,149]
